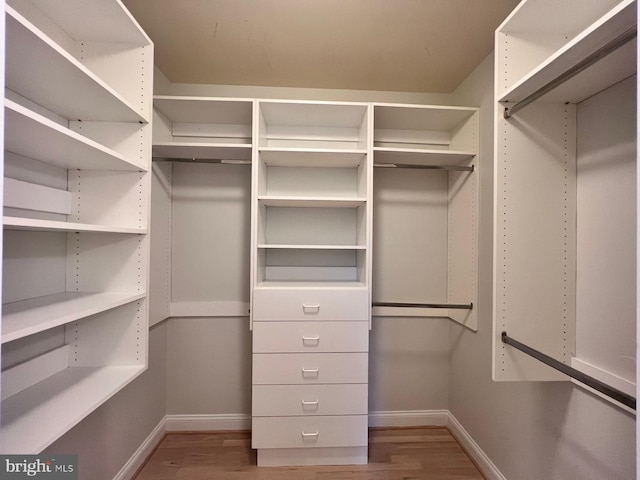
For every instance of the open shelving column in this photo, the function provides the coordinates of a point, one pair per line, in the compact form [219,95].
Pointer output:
[545,169]
[76,211]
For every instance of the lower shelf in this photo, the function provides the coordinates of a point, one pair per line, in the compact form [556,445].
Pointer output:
[34,418]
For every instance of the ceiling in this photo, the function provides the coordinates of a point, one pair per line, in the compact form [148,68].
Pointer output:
[395,45]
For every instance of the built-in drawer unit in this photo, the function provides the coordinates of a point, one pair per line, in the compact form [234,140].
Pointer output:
[310,304]
[300,400]
[309,337]
[309,368]
[309,432]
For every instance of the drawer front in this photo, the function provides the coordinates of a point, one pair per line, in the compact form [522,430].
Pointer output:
[309,432]
[273,337]
[309,368]
[300,400]
[272,305]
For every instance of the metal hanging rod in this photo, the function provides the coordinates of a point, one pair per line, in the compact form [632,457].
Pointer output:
[203,160]
[457,168]
[588,380]
[460,306]
[602,52]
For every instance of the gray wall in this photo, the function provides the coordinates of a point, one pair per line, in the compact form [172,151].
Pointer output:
[532,430]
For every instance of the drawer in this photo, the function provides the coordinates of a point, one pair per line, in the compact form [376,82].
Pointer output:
[300,400]
[309,368]
[306,432]
[310,337]
[271,305]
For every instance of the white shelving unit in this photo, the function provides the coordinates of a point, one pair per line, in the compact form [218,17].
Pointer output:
[442,232]
[565,140]
[311,278]
[200,148]
[76,213]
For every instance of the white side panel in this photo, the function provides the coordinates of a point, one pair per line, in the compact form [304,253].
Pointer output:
[160,237]
[606,230]
[535,218]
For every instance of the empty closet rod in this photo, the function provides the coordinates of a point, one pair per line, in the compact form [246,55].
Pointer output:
[203,160]
[602,52]
[588,380]
[461,306]
[458,168]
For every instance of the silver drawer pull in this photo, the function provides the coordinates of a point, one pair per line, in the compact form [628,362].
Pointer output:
[310,308]
[310,434]
[314,403]
[311,340]
[310,371]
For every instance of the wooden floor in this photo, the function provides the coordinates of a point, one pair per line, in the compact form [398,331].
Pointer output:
[416,453]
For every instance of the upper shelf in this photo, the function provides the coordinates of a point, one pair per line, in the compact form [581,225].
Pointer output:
[92,20]
[32,135]
[64,86]
[37,225]
[618,64]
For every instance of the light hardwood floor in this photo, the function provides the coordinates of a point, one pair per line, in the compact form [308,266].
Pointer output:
[415,453]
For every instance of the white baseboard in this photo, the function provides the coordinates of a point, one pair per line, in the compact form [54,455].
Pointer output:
[486,466]
[409,418]
[197,423]
[201,423]
[138,458]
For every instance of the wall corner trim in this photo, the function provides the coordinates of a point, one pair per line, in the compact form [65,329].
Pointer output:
[143,452]
[483,462]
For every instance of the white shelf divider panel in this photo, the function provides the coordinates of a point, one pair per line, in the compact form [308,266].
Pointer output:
[34,418]
[57,145]
[21,319]
[69,88]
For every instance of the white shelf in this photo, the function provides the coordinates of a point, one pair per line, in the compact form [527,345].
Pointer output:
[32,135]
[202,150]
[312,157]
[303,285]
[34,418]
[21,319]
[206,110]
[420,156]
[617,66]
[94,20]
[18,223]
[310,247]
[311,202]
[67,87]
